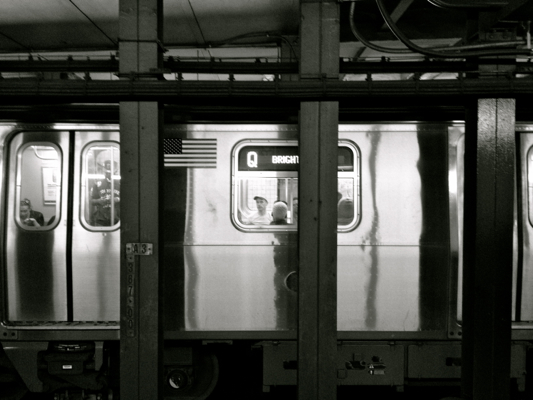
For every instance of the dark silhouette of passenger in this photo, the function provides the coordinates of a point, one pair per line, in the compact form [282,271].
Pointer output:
[28,216]
[279,213]
[104,193]
[345,211]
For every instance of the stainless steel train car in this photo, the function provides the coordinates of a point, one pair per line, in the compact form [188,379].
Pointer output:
[230,266]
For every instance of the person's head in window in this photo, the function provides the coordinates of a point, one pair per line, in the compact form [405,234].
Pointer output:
[108,170]
[345,211]
[25,209]
[261,204]
[260,217]
[279,213]
[28,216]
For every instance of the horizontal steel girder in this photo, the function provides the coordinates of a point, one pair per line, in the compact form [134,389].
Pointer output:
[153,90]
[228,67]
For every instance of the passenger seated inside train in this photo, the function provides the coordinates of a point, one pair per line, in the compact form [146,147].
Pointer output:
[28,216]
[279,213]
[105,197]
[345,211]
[260,217]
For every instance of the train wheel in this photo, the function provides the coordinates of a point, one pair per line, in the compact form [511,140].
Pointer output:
[192,382]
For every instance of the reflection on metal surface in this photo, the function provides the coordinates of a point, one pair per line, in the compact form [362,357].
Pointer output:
[455,194]
[432,166]
[372,235]
[190,262]
[95,249]
[235,279]
[291,281]
[35,252]
[52,278]
[285,259]
[526,157]
[220,276]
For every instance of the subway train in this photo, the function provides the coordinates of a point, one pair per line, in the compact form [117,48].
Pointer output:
[230,265]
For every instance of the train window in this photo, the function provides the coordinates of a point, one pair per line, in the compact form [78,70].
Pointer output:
[259,198]
[38,186]
[100,191]
[346,204]
[265,186]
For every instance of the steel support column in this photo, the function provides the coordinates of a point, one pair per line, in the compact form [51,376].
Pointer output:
[140,328]
[488,244]
[317,302]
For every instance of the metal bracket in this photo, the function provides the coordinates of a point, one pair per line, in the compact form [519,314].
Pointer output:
[139,249]
[6,333]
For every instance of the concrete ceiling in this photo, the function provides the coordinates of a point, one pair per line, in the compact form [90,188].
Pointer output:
[40,26]
[52,25]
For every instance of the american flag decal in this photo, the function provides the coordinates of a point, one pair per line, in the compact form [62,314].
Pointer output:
[190,153]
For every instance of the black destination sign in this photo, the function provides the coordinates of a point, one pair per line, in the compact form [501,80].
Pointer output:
[283,158]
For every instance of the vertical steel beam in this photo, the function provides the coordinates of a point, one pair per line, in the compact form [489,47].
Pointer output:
[140,327]
[488,244]
[319,39]
[317,290]
[317,299]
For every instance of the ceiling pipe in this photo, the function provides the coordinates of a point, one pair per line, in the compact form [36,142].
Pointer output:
[482,5]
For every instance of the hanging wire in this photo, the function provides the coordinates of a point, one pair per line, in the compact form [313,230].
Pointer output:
[371,45]
[28,50]
[444,54]
[465,5]
[92,22]
[382,49]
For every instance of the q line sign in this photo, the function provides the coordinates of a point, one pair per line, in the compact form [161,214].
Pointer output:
[283,158]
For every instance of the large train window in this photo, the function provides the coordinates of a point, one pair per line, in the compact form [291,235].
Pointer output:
[38,186]
[100,191]
[265,185]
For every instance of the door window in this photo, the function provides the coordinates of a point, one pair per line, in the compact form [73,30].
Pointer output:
[100,205]
[38,186]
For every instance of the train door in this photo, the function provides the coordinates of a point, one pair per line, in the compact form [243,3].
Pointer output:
[36,234]
[95,230]
[62,257]
[523,280]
